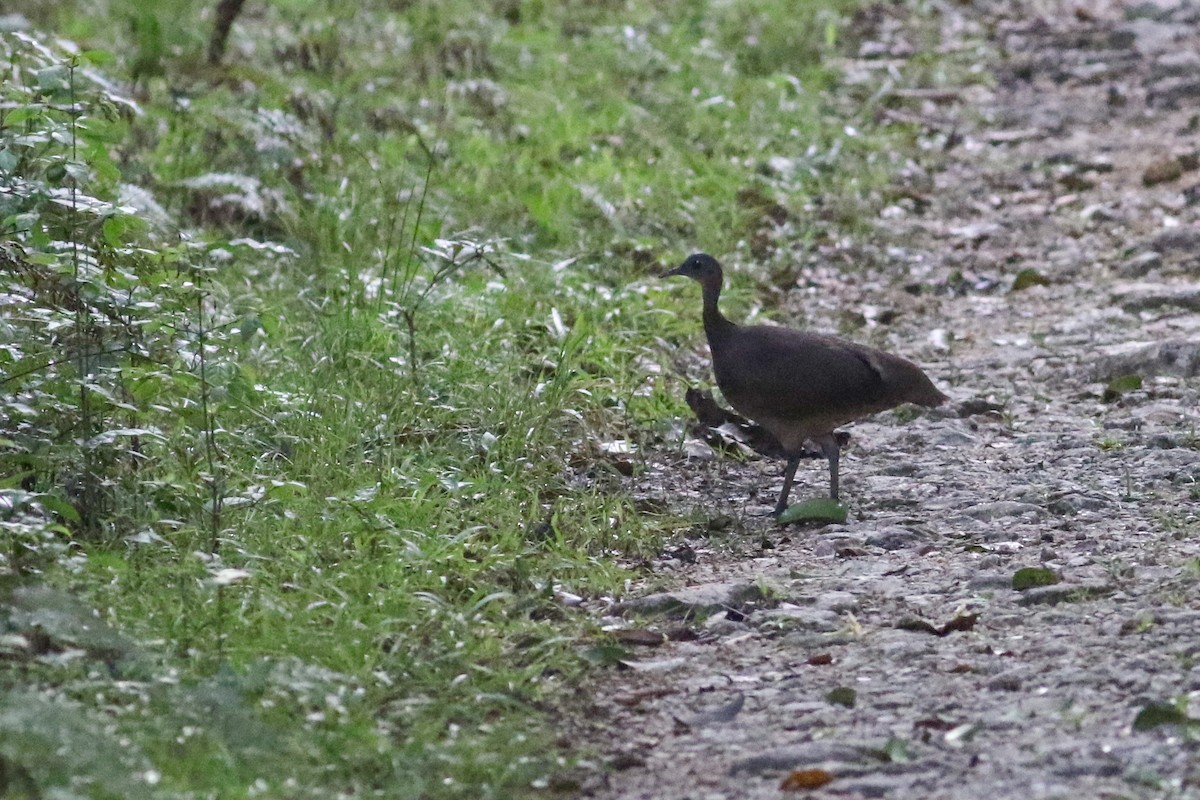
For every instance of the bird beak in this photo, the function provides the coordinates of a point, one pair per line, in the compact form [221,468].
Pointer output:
[672,272]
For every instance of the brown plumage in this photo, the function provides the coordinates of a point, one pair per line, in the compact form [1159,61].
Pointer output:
[801,385]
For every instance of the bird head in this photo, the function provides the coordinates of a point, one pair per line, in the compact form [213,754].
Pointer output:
[699,267]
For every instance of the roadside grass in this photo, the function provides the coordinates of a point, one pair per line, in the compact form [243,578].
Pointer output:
[306,526]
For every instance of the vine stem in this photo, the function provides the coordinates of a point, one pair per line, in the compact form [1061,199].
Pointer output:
[210,447]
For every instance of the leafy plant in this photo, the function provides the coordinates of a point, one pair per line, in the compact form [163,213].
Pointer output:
[314,357]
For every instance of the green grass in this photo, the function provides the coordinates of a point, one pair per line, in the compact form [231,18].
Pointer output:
[403,441]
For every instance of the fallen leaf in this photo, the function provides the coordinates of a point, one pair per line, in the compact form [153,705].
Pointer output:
[842,696]
[604,655]
[1029,277]
[916,624]
[934,724]
[815,509]
[1029,577]
[961,622]
[639,636]
[820,660]
[803,779]
[1120,385]
[961,734]
[895,751]
[1156,713]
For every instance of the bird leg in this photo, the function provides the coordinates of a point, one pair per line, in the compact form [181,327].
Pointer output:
[829,447]
[789,474]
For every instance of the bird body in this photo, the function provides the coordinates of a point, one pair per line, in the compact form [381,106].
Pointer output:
[798,385]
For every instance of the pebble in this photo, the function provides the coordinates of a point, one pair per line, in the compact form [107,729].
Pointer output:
[703,599]
[1137,297]
[795,618]
[825,754]
[1062,593]
[837,601]
[1180,357]
[1181,63]
[1182,239]
[1001,509]
[1173,92]
[1141,265]
[892,537]
[1005,682]
[1162,170]
[990,580]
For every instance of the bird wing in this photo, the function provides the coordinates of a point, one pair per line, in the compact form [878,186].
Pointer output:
[778,372]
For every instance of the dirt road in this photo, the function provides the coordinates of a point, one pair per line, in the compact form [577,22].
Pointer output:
[1045,252]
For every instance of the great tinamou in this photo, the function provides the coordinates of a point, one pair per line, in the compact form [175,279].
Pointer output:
[801,385]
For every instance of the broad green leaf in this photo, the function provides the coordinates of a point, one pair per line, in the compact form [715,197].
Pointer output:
[604,655]
[816,509]
[895,750]
[59,506]
[97,57]
[1029,277]
[1154,714]
[1029,577]
[1120,385]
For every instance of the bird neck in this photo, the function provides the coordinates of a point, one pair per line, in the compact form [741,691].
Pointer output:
[715,324]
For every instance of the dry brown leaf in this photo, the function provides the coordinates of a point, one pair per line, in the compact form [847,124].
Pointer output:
[963,622]
[803,779]
[639,636]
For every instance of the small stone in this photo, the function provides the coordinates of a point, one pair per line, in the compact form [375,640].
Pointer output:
[805,755]
[990,580]
[977,232]
[1179,357]
[723,625]
[1005,682]
[1137,297]
[1162,170]
[837,601]
[1147,36]
[795,618]
[698,450]
[1147,10]
[951,437]
[1100,212]
[1071,504]
[874,786]
[1182,239]
[1163,441]
[1181,63]
[892,538]
[1002,508]
[1173,92]
[1141,265]
[708,598]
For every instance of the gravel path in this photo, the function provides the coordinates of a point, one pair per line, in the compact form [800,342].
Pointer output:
[820,653]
